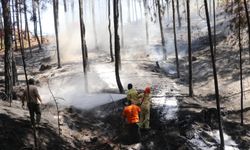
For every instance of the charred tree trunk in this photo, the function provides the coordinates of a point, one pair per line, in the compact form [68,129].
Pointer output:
[161,30]
[84,45]
[117,45]
[189,52]
[34,7]
[178,13]
[1,24]
[241,81]
[83,41]
[121,21]
[175,41]
[14,37]
[248,25]
[55,8]
[145,3]
[14,69]
[20,18]
[40,22]
[214,28]
[94,25]
[13,61]
[167,3]
[20,26]
[215,77]
[65,5]
[17,22]
[27,25]
[110,34]
[8,48]
[210,8]
[185,10]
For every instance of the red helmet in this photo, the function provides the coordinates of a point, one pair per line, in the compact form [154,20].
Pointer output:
[147,90]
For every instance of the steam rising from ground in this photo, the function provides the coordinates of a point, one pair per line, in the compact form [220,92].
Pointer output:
[134,53]
[71,88]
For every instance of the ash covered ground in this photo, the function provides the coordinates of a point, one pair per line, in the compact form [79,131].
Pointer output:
[90,106]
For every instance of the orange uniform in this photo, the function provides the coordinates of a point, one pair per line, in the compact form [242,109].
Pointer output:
[131,113]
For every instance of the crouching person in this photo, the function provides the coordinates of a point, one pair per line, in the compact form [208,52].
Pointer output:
[33,100]
[131,114]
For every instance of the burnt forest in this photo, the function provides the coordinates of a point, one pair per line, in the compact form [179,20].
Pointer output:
[77,58]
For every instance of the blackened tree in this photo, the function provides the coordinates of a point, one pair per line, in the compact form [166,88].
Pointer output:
[215,77]
[117,45]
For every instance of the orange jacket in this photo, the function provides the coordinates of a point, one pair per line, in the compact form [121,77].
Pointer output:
[131,113]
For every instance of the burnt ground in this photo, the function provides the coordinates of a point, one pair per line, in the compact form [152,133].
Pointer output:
[103,128]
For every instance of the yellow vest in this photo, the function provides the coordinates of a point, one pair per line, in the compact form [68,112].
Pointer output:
[132,96]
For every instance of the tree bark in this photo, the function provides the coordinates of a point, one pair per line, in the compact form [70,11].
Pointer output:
[55,9]
[145,3]
[110,34]
[117,45]
[83,41]
[241,80]
[17,22]
[34,6]
[215,77]
[248,24]
[14,37]
[121,21]
[84,45]
[94,24]
[161,30]
[8,48]
[175,41]
[2,27]
[27,25]
[185,10]
[13,61]
[210,8]
[189,51]
[214,28]
[65,5]
[167,3]
[14,69]
[178,13]
[40,22]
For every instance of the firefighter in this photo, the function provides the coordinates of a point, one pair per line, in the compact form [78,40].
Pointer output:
[33,102]
[132,95]
[131,114]
[145,109]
